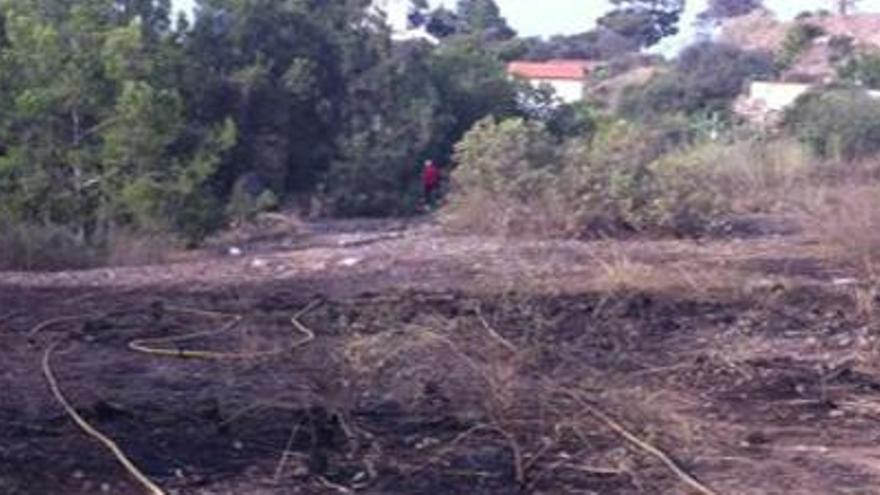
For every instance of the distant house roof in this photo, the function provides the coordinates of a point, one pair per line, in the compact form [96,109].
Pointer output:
[552,69]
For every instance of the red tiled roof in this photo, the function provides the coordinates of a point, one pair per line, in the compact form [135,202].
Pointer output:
[551,69]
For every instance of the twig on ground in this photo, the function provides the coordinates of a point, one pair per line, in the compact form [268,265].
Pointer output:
[494,334]
[129,466]
[283,460]
[646,447]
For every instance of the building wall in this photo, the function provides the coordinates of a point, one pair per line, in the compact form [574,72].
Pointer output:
[569,91]
[777,96]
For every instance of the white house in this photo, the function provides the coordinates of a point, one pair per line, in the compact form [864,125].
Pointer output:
[567,77]
[767,101]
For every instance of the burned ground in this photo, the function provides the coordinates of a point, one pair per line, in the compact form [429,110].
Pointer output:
[451,365]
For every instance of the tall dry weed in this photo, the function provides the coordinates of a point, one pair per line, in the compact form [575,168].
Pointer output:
[845,221]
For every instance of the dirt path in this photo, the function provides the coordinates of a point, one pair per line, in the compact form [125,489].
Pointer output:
[446,365]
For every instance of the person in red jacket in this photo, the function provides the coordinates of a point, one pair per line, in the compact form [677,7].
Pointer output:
[431,184]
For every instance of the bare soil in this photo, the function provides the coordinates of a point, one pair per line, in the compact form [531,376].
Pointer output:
[449,365]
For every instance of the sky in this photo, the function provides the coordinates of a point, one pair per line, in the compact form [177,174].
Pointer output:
[549,17]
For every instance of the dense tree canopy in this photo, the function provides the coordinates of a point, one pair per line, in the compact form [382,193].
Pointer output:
[645,22]
[478,18]
[113,116]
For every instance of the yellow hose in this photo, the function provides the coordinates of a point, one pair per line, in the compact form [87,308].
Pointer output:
[155,347]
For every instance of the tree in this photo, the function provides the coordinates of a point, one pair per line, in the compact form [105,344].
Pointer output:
[599,44]
[706,78]
[484,17]
[844,7]
[92,108]
[719,10]
[645,22]
[479,18]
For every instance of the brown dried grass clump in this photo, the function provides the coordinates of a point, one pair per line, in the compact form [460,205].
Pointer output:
[129,248]
[845,221]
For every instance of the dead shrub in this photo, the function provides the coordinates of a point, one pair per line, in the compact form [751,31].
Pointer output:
[28,247]
[845,220]
[129,248]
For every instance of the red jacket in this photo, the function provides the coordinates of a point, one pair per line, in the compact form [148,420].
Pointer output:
[431,176]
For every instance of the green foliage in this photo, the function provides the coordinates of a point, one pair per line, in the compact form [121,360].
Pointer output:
[507,180]
[248,201]
[706,78]
[862,69]
[719,10]
[627,179]
[796,41]
[480,19]
[841,48]
[837,124]
[512,158]
[645,22]
[112,120]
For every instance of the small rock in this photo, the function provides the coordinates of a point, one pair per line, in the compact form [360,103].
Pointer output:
[238,445]
[350,262]
[234,251]
[844,282]
[426,443]
[105,487]
[259,263]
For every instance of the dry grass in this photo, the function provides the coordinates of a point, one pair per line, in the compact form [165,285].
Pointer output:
[620,274]
[43,248]
[126,248]
[845,221]
[481,213]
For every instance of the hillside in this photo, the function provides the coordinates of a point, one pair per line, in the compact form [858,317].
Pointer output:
[761,31]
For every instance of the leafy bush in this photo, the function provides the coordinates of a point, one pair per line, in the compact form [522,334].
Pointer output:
[840,125]
[796,41]
[249,198]
[512,179]
[506,179]
[706,78]
[840,48]
[631,179]
[862,70]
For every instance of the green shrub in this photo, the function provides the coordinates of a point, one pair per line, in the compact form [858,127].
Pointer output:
[514,179]
[507,179]
[862,70]
[513,158]
[796,41]
[249,200]
[630,180]
[707,77]
[840,125]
